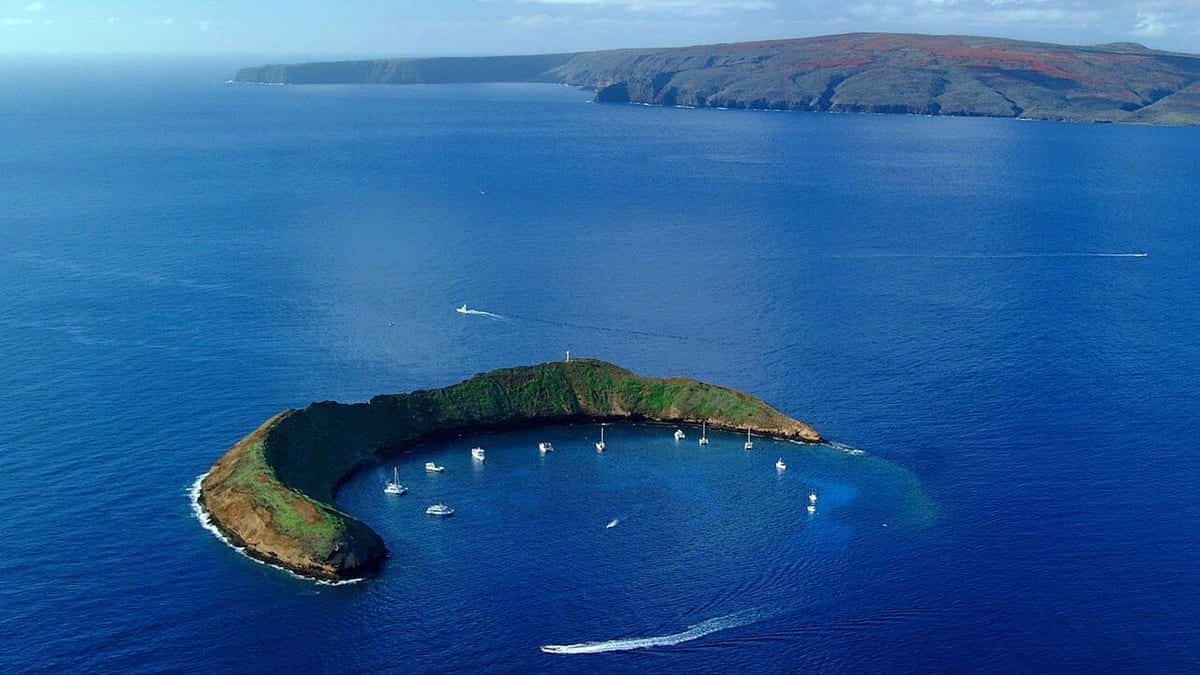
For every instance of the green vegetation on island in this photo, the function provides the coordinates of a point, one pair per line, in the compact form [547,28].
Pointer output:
[272,492]
[859,72]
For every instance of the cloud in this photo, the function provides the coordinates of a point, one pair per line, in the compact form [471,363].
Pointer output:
[111,20]
[537,20]
[1149,24]
[35,6]
[204,25]
[692,7]
[15,21]
[168,21]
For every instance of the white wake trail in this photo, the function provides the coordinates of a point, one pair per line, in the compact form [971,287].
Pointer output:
[692,633]
[1002,256]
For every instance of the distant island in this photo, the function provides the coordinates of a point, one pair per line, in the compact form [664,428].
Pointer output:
[272,492]
[859,72]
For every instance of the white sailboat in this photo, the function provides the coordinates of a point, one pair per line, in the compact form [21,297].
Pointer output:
[704,433]
[779,464]
[600,446]
[749,443]
[394,487]
[679,435]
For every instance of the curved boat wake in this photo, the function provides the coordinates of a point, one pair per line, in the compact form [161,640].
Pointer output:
[695,632]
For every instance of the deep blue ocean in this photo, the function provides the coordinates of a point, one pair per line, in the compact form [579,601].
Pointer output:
[180,259]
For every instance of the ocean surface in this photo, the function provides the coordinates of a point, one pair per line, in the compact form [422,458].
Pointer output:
[1003,315]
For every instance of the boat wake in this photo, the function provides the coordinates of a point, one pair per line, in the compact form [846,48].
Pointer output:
[1001,256]
[695,632]
[207,523]
[478,312]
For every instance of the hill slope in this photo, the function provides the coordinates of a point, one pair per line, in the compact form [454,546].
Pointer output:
[861,72]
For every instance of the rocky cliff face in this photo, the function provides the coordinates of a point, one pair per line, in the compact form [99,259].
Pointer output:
[272,491]
[915,74]
[862,72]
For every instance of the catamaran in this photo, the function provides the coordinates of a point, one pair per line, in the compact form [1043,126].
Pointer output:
[600,446]
[679,435]
[703,433]
[749,443]
[394,487]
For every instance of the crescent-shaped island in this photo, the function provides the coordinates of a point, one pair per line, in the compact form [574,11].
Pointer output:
[272,492]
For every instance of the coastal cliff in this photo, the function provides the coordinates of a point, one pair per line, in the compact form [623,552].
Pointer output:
[858,72]
[272,492]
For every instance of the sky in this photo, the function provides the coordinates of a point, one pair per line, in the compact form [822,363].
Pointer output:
[365,28]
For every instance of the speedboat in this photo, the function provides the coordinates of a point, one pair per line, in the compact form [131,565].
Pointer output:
[477,454]
[812,498]
[749,443]
[439,510]
[461,310]
[545,447]
[703,433]
[600,446]
[430,466]
[394,487]
[679,435]
[780,465]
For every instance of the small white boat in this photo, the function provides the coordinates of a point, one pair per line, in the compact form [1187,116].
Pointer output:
[812,508]
[430,466]
[812,498]
[461,310]
[439,510]
[478,454]
[394,487]
[679,435]
[749,443]
[704,433]
[779,464]
[600,446]
[545,447]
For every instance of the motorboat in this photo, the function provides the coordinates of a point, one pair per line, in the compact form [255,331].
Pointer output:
[439,510]
[478,454]
[812,498]
[812,508]
[600,446]
[749,443]
[679,435]
[462,310]
[430,466]
[703,433]
[779,464]
[394,487]
[545,447]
